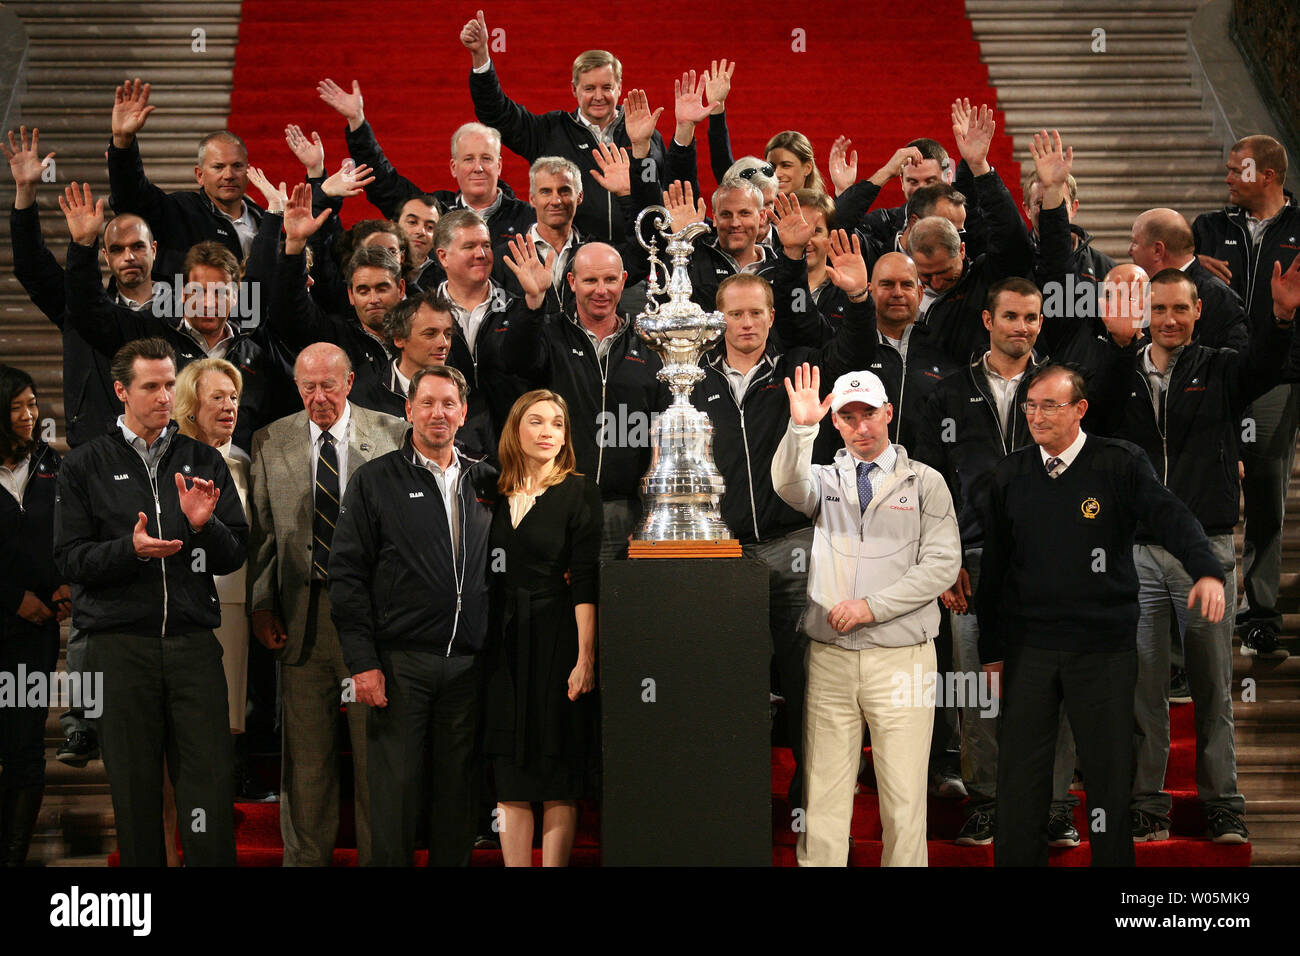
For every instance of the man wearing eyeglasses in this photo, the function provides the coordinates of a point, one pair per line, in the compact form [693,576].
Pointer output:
[971,421]
[1058,606]
[1181,402]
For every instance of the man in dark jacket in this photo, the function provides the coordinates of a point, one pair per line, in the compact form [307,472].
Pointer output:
[1244,243]
[217,211]
[597,86]
[1181,402]
[144,519]
[409,597]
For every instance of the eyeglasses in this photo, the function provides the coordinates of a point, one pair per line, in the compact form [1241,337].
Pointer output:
[1047,408]
[767,169]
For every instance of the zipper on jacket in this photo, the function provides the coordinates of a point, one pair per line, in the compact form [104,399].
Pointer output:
[1161,428]
[991,404]
[162,562]
[744,441]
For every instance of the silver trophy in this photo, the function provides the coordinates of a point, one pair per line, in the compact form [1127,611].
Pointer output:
[683,488]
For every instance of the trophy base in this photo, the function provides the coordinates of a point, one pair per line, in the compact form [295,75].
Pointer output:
[715,548]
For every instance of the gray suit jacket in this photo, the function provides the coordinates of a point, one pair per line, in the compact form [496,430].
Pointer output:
[282,509]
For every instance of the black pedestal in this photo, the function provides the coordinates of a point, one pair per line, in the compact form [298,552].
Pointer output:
[684,680]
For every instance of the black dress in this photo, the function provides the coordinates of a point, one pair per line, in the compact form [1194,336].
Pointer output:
[541,742]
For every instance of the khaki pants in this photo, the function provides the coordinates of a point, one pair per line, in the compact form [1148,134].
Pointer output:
[309,791]
[845,688]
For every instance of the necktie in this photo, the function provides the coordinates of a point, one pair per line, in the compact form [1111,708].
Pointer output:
[864,484]
[327,507]
[1052,465]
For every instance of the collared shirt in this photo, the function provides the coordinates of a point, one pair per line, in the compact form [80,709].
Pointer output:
[928,298]
[149,454]
[211,351]
[339,431]
[15,479]
[884,463]
[1004,391]
[447,478]
[764,253]
[739,381]
[399,383]
[1066,458]
[901,343]
[471,320]
[156,290]
[1257,227]
[245,228]
[602,346]
[605,135]
[487,211]
[558,261]
[1158,380]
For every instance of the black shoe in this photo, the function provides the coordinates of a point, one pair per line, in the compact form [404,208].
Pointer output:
[1224,826]
[1060,828]
[487,841]
[977,830]
[1179,691]
[1260,640]
[81,747]
[1147,827]
[249,790]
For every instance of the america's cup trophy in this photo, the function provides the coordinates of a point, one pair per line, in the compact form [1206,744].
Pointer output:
[682,490]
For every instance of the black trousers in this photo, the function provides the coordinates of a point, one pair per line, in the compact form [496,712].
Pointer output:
[35,649]
[167,697]
[1098,692]
[432,715]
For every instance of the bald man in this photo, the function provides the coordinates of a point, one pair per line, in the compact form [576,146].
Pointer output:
[594,358]
[1162,239]
[301,467]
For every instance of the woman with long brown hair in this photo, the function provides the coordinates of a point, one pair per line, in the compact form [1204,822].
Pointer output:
[541,712]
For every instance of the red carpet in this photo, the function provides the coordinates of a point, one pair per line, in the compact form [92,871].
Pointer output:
[897,71]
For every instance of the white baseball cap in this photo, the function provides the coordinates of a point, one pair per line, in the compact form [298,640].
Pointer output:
[865,387]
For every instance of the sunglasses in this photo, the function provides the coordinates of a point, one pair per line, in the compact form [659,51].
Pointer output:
[767,169]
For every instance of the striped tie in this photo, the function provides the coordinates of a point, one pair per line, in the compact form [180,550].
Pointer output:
[1053,464]
[327,508]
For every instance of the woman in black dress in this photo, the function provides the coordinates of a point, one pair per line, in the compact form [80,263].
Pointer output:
[32,603]
[541,714]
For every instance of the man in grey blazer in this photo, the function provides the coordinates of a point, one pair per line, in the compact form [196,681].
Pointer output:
[301,466]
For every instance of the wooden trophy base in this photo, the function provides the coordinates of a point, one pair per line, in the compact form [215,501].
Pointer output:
[714,548]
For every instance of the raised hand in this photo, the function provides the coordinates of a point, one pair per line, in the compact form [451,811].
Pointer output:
[130,110]
[792,228]
[534,275]
[806,405]
[973,130]
[348,105]
[844,165]
[275,197]
[717,84]
[85,214]
[350,180]
[197,500]
[639,121]
[1285,287]
[845,265]
[299,224]
[615,173]
[682,207]
[688,100]
[147,546]
[903,156]
[474,37]
[25,163]
[1053,164]
[310,152]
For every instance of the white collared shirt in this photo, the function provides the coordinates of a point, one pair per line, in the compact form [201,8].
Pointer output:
[602,346]
[470,320]
[149,454]
[448,479]
[739,381]
[401,380]
[884,463]
[211,351]
[1066,457]
[245,228]
[339,432]
[1004,391]
[14,479]
[557,261]
[928,298]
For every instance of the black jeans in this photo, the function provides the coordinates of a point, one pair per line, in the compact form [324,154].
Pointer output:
[1098,691]
[166,696]
[432,714]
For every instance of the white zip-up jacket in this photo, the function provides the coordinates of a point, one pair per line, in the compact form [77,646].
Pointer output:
[899,555]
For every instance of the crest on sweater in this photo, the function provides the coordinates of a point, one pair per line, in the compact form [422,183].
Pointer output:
[1091,507]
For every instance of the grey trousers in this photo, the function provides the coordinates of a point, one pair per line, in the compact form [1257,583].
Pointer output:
[74,718]
[1268,460]
[1208,651]
[979,731]
[166,697]
[309,789]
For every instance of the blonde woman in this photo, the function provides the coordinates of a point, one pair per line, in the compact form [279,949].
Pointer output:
[541,712]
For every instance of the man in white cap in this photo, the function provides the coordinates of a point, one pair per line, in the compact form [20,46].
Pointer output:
[885,546]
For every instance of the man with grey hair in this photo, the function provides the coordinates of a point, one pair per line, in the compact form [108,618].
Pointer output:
[218,210]
[301,468]
[598,120]
[475,163]
[555,192]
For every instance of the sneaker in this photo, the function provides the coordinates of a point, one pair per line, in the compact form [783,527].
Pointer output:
[977,830]
[1179,691]
[1147,827]
[1060,828]
[946,786]
[1224,826]
[81,747]
[1260,640]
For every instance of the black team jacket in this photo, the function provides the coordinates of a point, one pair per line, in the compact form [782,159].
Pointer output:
[1225,235]
[28,542]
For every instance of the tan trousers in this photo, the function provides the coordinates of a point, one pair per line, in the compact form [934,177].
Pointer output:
[845,688]
[309,791]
